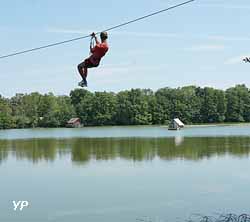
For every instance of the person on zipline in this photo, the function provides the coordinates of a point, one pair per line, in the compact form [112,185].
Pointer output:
[97,52]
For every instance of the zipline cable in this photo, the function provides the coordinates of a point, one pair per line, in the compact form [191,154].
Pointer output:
[87,36]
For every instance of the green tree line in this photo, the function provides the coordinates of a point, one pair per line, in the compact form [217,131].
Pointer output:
[191,104]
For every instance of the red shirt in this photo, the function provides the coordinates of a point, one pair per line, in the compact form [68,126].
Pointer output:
[98,52]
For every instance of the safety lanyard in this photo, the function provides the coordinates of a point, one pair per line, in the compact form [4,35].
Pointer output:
[92,43]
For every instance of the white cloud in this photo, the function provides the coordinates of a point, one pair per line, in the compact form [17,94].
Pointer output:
[224,6]
[118,33]
[236,59]
[204,48]
[228,38]
[114,69]
[152,34]
[69,31]
[123,73]
[148,34]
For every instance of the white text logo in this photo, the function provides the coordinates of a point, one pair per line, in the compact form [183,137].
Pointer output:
[19,205]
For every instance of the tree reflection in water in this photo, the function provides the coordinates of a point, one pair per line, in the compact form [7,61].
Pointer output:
[200,218]
[82,150]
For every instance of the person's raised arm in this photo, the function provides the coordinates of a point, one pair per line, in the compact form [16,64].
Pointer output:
[94,36]
[90,48]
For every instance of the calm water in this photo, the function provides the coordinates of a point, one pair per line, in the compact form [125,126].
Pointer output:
[121,174]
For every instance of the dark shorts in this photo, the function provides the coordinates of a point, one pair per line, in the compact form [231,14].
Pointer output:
[87,64]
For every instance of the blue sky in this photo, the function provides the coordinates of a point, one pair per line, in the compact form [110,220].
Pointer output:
[198,44]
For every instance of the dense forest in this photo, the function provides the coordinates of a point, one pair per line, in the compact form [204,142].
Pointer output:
[131,107]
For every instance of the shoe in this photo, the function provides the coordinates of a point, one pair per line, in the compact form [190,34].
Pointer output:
[82,84]
[84,80]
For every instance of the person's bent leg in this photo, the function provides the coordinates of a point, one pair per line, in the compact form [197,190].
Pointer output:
[85,74]
[80,68]
[87,64]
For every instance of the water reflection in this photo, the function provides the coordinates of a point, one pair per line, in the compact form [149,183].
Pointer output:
[178,140]
[82,150]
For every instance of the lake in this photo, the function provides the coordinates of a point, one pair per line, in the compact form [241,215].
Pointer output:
[122,174]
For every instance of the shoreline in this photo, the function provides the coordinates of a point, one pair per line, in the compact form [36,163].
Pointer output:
[163,126]
[217,124]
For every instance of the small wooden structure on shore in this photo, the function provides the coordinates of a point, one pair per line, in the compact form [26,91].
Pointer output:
[74,123]
[176,124]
